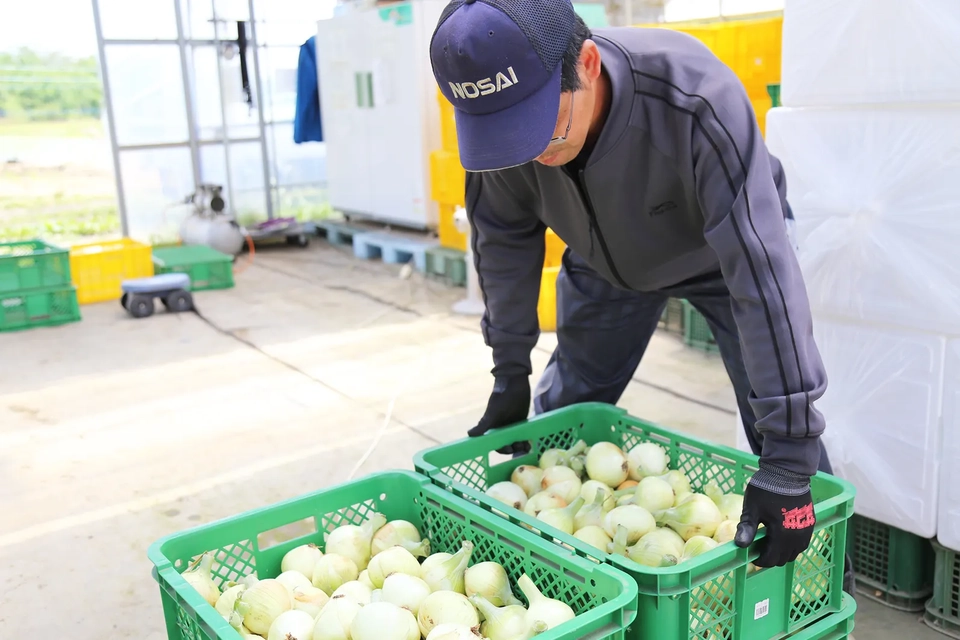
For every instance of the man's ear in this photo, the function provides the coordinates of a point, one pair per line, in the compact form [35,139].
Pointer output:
[590,61]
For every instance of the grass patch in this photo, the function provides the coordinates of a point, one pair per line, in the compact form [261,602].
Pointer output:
[65,227]
[73,128]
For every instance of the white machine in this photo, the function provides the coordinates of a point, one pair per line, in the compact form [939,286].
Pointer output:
[208,224]
[381,119]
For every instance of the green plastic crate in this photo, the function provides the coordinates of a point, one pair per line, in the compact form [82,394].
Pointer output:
[893,567]
[696,331]
[943,609]
[600,595]
[773,90]
[207,267]
[38,308]
[33,264]
[836,626]
[448,264]
[671,320]
[756,606]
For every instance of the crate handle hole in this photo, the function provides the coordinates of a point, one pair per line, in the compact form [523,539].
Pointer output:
[178,564]
[285,533]
[383,497]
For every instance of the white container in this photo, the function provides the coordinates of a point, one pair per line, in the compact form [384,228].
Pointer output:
[839,52]
[948,527]
[875,195]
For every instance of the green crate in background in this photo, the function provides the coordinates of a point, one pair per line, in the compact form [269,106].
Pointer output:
[943,609]
[602,597]
[448,264]
[672,600]
[671,320]
[33,264]
[696,331]
[207,267]
[773,90]
[38,308]
[893,567]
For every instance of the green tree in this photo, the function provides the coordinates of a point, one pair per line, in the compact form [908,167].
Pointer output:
[49,86]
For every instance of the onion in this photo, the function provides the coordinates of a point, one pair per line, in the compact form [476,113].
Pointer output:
[333,570]
[561,457]
[591,514]
[647,459]
[656,550]
[356,591]
[448,575]
[679,481]
[335,619]
[730,504]
[309,599]
[528,478]
[590,488]
[607,463]
[353,542]
[451,631]
[405,591]
[637,520]
[432,561]
[696,546]
[726,531]
[697,516]
[393,560]
[441,607]
[291,625]
[509,494]
[302,559]
[501,623]
[543,500]
[227,599]
[364,578]
[563,517]
[550,611]
[294,579]
[263,603]
[553,475]
[489,580]
[569,490]
[399,533]
[595,537]
[654,494]
[384,621]
[200,577]
[579,465]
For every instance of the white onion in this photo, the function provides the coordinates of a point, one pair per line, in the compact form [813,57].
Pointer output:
[263,603]
[553,475]
[647,459]
[384,621]
[200,577]
[489,580]
[590,488]
[228,598]
[450,631]
[595,537]
[364,577]
[607,463]
[448,575]
[637,520]
[563,517]
[433,560]
[501,623]
[405,591]
[528,478]
[294,579]
[355,590]
[591,514]
[654,494]
[393,560]
[697,545]
[543,500]
[569,490]
[353,542]
[332,570]
[291,625]
[236,621]
[679,481]
[335,619]
[442,607]
[550,611]
[726,531]
[302,559]
[509,494]
[730,504]
[399,533]
[309,599]
[697,516]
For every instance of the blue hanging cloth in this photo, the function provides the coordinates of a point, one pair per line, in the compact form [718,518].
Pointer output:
[306,124]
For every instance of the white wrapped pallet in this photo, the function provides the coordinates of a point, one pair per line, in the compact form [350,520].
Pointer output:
[841,52]
[874,191]
[948,524]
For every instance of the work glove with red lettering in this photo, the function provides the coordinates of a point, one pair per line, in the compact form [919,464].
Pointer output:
[509,403]
[780,500]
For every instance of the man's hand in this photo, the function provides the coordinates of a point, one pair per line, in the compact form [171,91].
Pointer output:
[779,500]
[509,403]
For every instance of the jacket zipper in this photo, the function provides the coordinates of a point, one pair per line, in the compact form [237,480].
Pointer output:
[596,225]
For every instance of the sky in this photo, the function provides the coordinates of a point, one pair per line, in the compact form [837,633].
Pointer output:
[29,24]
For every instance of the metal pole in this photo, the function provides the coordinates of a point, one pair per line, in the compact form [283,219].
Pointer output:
[223,106]
[188,95]
[111,125]
[268,187]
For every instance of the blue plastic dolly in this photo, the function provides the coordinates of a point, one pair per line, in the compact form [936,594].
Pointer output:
[173,289]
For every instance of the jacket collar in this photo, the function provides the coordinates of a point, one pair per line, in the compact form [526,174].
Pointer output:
[614,61]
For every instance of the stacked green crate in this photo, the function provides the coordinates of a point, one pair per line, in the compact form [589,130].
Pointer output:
[893,567]
[696,331]
[207,267]
[35,286]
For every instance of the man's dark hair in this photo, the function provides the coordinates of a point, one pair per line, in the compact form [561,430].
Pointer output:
[570,71]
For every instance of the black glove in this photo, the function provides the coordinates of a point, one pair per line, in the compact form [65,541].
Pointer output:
[509,403]
[781,501]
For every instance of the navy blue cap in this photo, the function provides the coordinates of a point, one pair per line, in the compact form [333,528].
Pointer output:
[498,62]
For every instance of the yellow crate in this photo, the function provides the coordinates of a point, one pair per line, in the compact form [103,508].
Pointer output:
[450,236]
[99,268]
[760,108]
[554,249]
[447,177]
[547,304]
[448,124]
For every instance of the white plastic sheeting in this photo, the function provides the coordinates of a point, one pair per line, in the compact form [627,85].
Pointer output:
[839,52]
[948,524]
[875,195]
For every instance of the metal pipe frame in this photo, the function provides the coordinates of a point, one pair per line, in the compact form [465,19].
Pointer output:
[267,185]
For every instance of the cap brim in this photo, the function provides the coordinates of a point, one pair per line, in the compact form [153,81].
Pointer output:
[512,136]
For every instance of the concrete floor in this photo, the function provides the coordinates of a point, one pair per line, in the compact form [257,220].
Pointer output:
[115,432]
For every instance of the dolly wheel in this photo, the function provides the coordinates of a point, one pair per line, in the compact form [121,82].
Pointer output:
[178,302]
[140,306]
[123,300]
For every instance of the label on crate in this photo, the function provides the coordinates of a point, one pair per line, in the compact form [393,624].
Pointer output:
[761,609]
